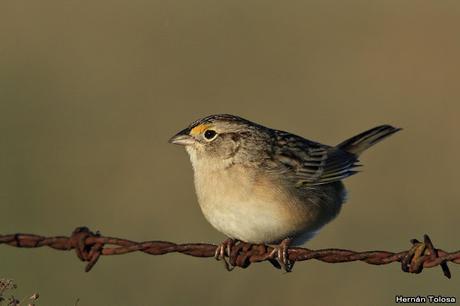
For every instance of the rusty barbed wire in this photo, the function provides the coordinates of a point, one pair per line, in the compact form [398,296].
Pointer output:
[89,246]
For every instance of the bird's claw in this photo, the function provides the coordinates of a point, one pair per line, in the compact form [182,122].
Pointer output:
[281,255]
[223,252]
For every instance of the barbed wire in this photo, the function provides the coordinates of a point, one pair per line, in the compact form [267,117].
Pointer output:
[89,247]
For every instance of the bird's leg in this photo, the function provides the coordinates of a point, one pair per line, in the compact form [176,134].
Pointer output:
[225,248]
[280,253]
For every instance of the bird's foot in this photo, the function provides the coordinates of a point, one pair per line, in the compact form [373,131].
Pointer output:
[224,251]
[279,256]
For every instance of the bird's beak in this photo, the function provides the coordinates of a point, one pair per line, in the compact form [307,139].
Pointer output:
[182,138]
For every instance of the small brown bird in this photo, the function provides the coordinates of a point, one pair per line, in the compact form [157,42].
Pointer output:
[261,185]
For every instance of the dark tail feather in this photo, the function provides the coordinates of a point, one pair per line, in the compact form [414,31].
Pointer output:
[361,142]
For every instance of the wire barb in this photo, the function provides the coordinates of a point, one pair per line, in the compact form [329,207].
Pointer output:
[89,246]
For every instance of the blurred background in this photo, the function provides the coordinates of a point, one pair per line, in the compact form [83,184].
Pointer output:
[90,92]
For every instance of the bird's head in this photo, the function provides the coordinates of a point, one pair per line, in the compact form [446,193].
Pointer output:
[219,139]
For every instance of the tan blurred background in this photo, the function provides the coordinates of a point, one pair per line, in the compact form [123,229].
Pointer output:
[90,92]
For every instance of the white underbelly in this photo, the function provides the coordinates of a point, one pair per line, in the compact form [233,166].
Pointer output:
[250,210]
[246,221]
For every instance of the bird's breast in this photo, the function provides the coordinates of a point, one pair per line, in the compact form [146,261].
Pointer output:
[244,204]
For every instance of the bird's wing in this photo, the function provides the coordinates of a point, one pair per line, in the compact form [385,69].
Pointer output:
[309,163]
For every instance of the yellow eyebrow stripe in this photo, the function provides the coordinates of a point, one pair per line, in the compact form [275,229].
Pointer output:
[199,129]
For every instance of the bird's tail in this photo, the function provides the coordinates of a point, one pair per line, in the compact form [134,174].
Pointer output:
[361,142]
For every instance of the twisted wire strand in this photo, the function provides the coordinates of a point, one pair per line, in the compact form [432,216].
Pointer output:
[89,247]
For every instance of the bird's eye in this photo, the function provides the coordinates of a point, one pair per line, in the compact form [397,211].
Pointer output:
[210,134]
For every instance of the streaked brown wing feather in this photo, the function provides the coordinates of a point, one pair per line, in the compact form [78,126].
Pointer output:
[309,163]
